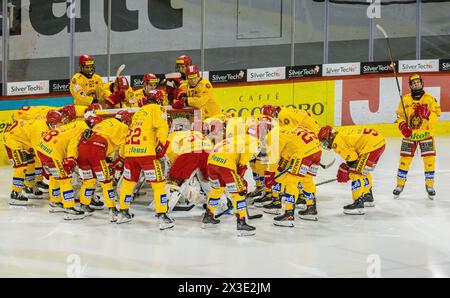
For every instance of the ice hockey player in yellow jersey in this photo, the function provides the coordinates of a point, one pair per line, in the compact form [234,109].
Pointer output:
[21,141]
[85,86]
[227,164]
[417,127]
[299,151]
[116,94]
[361,149]
[292,117]
[96,147]
[58,151]
[149,82]
[146,143]
[197,92]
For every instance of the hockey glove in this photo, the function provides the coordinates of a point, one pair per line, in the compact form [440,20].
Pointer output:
[406,132]
[241,169]
[117,97]
[142,102]
[69,164]
[161,149]
[178,104]
[342,174]
[422,111]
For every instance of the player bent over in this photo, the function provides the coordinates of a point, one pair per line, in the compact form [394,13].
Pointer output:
[227,164]
[188,153]
[95,147]
[20,141]
[361,149]
[145,144]
[301,148]
[58,151]
[422,111]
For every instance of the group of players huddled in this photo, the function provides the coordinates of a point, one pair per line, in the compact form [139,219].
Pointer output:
[280,149]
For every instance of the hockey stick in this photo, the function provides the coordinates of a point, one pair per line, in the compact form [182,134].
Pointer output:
[328,165]
[119,70]
[228,210]
[395,72]
[326,181]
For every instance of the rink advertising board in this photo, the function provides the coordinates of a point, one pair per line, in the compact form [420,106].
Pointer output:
[26,88]
[59,86]
[341,69]
[303,71]
[444,65]
[313,97]
[377,67]
[375,100]
[266,74]
[228,76]
[430,65]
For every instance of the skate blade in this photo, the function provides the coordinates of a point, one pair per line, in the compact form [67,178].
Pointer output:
[289,224]
[262,204]
[396,197]
[431,197]
[369,204]
[74,217]
[309,217]
[97,207]
[359,211]
[166,226]
[56,210]
[208,225]
[113,220]
[273,212]
[246,233]
[18,203]
[43,190]
[122,221]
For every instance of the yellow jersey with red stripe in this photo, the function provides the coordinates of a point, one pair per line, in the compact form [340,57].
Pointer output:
[351,143]
[421,128]
[139,93]
[232,152]
[26,133]
[62,142]
[85,90]
[187,141]
[297,117]
[35,112]
[114,131]
[202,97]
[148,127]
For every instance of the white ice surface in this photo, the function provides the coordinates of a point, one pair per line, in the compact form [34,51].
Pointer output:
[409,237]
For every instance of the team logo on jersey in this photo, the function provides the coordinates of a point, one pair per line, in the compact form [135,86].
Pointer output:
[415,122]
[208,85]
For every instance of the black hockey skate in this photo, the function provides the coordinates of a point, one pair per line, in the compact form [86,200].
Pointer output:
[265,200]
[17,199]
[209,220]
[243,229]
[124,216]
[257,194]
[301,202]
[113,214]
[285,220]
[273,208]
[42,186]
[357,208]
[73,214]
[310,213]
[165,222]
[96,203]
[31,193]
[56,207]
[86,209]
[431,192]
[368,199]
[397,191]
